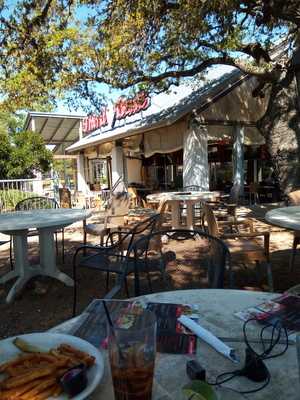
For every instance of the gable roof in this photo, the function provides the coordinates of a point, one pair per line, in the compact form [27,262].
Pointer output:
[166,109]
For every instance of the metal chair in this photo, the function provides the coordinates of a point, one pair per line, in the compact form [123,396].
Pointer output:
[36,203]
[115,256]
[117,208]
[183,258]
[2,242]
[41,203]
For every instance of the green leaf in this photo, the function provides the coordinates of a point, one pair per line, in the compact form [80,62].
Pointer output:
[199,390]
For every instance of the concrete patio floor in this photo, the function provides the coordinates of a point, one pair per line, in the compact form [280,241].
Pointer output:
[46,302]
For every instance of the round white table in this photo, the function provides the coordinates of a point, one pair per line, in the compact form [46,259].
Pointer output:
[216,308]
[189,198]
[285,217]
[46,221]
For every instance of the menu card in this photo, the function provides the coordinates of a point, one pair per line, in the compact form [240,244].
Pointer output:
[172,337]
[285,308]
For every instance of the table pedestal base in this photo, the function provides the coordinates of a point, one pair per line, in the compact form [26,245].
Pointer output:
[175,206]
[175,214]
[24,272]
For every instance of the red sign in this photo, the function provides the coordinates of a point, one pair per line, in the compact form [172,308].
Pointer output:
[126,107]
[92,122]
[122,108]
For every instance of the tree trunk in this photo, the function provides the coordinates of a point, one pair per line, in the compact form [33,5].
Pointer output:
[281,128]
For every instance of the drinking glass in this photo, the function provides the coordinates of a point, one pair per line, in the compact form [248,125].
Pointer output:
[132,349]
[298,352]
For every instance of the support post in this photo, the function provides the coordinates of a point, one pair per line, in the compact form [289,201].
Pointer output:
[237,190]
[32,124]
[117,167]
[80,129]
[81,182]
[195,156]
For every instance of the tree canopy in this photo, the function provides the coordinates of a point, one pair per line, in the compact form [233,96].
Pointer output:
[22,153]
[55,48]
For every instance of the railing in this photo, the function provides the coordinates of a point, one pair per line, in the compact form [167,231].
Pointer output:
[14,190]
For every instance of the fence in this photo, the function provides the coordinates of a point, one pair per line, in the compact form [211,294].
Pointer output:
[14,190]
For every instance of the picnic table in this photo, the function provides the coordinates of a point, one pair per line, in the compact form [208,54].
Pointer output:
[189,198]
[46,222]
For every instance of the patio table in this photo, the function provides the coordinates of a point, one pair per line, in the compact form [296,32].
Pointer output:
[46,221]
[285,217]
[189,198]
[216,308]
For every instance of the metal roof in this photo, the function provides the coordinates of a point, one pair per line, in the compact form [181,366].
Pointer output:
[57,129]
[166,109]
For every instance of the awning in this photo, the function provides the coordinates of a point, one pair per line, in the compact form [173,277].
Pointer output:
[170,139]
[165,140]
[252,135]
[56,129]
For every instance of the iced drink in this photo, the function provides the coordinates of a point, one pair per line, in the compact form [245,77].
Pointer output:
[133,383]
[132,350]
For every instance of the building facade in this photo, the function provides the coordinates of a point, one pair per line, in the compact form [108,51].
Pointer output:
[204,137]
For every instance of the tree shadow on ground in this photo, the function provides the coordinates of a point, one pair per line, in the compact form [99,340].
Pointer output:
[46,302]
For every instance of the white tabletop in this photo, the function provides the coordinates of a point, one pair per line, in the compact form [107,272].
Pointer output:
[285,217]
[182,196]
[22,220]
[217,308]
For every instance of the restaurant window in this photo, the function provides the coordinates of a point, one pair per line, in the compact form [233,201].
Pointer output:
[164,171]
[99,173]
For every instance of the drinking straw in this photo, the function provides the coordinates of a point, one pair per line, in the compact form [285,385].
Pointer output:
[108,317]
[112,329]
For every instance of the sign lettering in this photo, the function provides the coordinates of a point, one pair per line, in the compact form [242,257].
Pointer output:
[126,107]
[92,122]
[122,108]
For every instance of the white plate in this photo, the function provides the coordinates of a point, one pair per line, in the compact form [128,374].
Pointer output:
[49,340]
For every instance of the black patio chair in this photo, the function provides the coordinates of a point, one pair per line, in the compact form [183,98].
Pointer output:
[183,258]
[41,203]
[115,256]
[2,242]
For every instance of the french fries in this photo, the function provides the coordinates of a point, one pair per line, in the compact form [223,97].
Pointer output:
[35,376]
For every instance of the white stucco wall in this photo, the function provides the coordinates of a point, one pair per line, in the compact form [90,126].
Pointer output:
[81,181]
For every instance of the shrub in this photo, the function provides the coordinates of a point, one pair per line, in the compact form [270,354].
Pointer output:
[9,198]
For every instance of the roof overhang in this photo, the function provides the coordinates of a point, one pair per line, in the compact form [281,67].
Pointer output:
[159,120]
[60,130]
